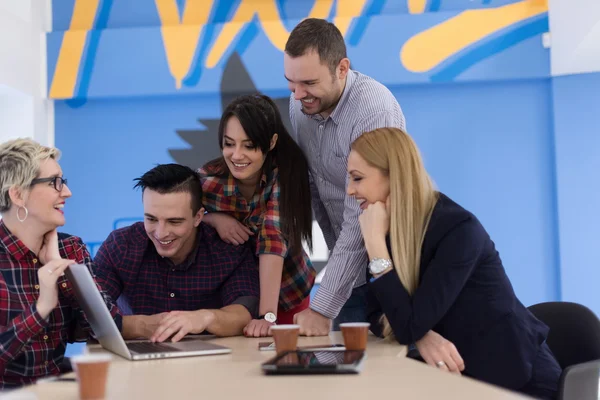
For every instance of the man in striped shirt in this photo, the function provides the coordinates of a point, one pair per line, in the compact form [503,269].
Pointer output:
[330,106]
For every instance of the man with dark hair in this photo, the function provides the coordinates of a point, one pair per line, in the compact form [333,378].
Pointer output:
[173,271]
[330,106]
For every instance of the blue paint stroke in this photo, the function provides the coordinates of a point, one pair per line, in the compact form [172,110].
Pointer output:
[434,5]
[180,6]
[221,12]
[361,23]
[250,33]
[479,51]
[89,56]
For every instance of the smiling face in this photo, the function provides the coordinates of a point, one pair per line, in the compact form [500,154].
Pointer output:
[313,83]
[244,159]
[170,223]
[367,184]
[44,203]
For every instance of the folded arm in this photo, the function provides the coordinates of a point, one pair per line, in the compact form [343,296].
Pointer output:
[456,257]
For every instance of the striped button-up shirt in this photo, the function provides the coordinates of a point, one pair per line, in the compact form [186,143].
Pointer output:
[365,105]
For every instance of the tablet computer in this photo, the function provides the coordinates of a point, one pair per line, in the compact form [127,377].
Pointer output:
[315,362]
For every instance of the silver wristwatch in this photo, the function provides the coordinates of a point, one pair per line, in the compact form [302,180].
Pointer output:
[269,317]
[378,265]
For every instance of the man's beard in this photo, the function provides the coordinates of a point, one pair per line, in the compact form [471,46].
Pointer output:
[323,107]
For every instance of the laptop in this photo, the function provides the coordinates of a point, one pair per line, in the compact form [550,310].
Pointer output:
[108,334]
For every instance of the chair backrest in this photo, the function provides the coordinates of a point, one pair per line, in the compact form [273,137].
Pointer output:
[580,382]
[574,336]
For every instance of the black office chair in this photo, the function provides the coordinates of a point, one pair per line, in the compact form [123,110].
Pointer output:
[574,338]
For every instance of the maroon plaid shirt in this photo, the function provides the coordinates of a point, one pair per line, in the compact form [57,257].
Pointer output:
[214,275]
[32,347]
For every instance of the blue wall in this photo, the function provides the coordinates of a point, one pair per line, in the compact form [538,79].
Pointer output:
[490,147]
[498,133]
[576,99]
[487,145]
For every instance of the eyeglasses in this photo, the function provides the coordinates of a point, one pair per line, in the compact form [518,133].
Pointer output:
[57,181]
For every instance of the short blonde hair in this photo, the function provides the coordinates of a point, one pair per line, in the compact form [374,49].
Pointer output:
[20,161]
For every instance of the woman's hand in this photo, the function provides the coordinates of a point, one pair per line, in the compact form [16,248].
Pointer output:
[47,277]
[229,229]
[440,353]
[49,250]
[375,220]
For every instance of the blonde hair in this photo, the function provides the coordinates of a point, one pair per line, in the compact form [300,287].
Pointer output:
[412,198]
[20,161]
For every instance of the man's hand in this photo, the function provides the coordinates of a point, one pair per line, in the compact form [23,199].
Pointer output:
[258,328]
[440,353]
[312,323]
[146,325]
[180,323]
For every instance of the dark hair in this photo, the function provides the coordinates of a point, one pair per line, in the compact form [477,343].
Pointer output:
[260,119]
[173,178]
[318,35]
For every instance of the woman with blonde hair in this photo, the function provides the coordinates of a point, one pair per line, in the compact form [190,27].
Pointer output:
[39,313]
[438,281]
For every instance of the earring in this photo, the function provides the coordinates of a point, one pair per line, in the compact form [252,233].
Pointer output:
[26,214]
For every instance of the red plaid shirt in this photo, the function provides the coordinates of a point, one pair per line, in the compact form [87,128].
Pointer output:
[32,347]
[261,215]
[214,275]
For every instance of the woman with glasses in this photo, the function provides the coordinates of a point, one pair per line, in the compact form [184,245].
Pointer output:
[39,313]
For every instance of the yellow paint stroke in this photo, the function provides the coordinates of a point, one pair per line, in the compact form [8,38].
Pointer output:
[270,20]
[416,6]
[71,49]
[431,47]
[346,10]
[180,34]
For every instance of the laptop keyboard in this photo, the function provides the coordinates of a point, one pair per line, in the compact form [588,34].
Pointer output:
[149,347]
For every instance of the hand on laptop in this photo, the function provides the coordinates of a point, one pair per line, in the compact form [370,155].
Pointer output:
[180,323]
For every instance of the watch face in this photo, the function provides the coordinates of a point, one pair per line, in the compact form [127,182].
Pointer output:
[270,317]
[378,265]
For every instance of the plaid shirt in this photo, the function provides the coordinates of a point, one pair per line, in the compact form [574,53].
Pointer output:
[261,215]
[32,347]
[214,275]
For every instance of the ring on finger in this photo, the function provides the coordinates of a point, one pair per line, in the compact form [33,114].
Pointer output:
[440,364]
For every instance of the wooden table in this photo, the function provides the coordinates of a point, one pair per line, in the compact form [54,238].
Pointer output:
[386,373]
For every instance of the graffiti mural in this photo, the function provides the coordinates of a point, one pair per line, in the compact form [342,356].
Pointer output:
[203,142]
[185,46]
[140,82]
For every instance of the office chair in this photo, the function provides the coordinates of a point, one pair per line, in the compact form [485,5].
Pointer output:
[574,338]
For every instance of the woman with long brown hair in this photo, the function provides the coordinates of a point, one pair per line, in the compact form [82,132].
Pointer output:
[258,191]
